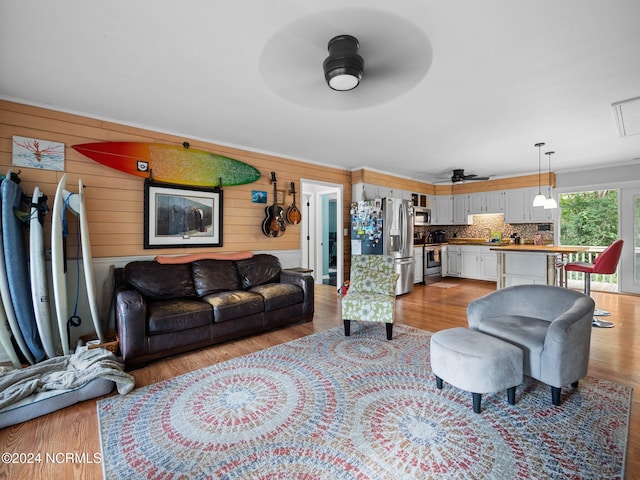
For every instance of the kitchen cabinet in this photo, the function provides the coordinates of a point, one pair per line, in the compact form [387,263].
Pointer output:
[478,262]
[450,210]
[451,261]
[418,255]
[460,215]
[519,207]
[421,200]
[485,202]
[368,191]
[489,265]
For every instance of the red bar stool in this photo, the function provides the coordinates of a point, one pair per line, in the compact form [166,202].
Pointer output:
[606,263]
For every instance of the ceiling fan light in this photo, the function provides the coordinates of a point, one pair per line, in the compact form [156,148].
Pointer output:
[343,67]
[342,81]
[539,200]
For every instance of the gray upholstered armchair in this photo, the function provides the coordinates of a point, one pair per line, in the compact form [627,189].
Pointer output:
[551,324]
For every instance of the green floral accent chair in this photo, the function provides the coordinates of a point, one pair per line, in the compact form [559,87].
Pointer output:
[372,292]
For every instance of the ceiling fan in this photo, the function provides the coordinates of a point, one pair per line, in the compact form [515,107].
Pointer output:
[459,176]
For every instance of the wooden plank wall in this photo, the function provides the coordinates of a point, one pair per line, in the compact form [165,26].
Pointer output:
[115,200]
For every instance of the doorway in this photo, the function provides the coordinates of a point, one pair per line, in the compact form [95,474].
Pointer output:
[321,240]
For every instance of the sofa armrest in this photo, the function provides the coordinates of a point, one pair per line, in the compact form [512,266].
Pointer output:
[131,315]
[304,281]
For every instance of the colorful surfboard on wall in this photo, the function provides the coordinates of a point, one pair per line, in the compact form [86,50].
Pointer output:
[170,163]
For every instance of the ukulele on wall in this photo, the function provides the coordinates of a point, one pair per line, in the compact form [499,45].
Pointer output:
[274,224]
[293,214]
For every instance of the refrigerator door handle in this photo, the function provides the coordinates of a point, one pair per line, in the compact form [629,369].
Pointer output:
[404,261]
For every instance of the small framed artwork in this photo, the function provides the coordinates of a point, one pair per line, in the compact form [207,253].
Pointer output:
[181,216]
[280,197]
[34,153]
[258,196]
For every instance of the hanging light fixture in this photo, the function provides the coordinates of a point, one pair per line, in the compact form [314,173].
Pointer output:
[343,67]
[550,202]
[539,200]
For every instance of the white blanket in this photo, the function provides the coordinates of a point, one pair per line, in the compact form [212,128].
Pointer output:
[63,373]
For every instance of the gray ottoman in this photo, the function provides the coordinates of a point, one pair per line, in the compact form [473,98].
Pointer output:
[476,362]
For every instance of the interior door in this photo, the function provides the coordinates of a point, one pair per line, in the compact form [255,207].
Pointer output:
[629,267]
[313,225]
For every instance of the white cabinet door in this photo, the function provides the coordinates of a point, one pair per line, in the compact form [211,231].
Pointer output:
[469,262]
[476,203]
[460,215]
[443,211]
[452,261]
[495,201]
[515,209]
[431,202]
[489,264]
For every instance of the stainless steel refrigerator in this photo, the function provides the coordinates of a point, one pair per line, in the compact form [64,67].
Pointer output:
[384,226]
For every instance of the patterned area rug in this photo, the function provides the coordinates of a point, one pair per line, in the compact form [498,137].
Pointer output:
[333,407]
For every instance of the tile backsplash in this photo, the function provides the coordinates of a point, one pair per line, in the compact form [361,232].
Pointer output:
[483,224]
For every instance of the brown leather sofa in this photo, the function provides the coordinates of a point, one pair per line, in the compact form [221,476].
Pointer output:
[165,309]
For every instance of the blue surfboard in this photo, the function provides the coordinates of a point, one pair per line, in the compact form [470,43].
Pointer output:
[15,259]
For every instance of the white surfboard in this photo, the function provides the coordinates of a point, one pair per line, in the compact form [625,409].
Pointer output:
[57,264]
[5,339]
[38,274]
[76,204]
[5,293]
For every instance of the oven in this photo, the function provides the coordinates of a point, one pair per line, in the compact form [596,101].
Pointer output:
[432,263]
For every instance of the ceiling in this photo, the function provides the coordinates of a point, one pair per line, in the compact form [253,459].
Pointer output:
[447,84]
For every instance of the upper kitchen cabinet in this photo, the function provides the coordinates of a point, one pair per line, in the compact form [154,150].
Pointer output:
[486,202]
[421,200]
[449,210]
[368,191]
[519,207]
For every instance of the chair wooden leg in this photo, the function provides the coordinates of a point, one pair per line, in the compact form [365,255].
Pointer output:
[574,384]
[389,330]
[438,383]
[555,395]
[511,395]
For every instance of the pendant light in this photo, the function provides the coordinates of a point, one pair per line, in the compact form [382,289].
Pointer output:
[539,200]
[550,202]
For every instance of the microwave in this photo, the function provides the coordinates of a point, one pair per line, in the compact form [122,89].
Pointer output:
[421,216]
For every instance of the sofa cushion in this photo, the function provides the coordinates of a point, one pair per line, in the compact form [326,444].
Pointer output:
[259,269]
[159,282]
[279,295]
[166,316]
[234,304]
[211,276]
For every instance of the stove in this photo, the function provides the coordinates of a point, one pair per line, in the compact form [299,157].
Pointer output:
[432,263]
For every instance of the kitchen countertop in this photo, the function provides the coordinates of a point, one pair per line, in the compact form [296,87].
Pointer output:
[539,248]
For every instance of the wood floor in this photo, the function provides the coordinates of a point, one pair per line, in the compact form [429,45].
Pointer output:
[614,356]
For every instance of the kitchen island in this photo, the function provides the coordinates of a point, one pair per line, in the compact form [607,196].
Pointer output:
[527,264]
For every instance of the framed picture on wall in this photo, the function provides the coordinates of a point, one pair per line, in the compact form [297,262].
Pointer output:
[181,216]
